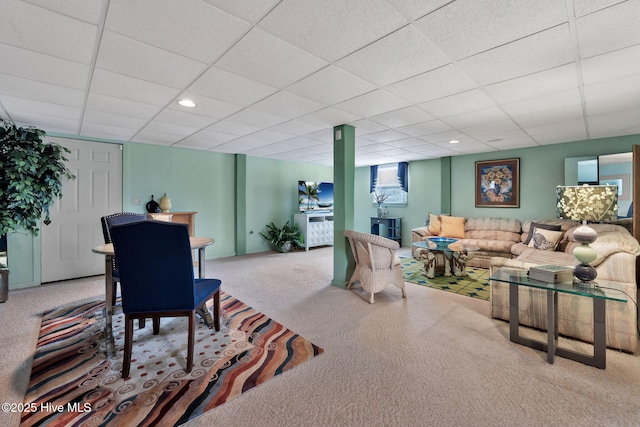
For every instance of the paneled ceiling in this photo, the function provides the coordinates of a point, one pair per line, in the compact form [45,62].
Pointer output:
[271,78]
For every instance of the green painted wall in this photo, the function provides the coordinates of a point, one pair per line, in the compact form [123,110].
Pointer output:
[195,180]
[541,170]
[425,195]
[272,194]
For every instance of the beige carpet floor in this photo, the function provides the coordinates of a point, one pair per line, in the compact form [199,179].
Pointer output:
[434,359]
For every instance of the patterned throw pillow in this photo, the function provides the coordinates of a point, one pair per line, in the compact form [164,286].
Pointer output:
[535,225]
[546,240]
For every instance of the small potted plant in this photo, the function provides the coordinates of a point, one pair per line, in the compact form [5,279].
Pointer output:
[283,239]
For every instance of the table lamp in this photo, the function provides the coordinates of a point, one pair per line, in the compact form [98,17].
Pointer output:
[595,203]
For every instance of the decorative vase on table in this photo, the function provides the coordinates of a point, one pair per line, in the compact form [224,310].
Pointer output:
[152,206]
[165,203]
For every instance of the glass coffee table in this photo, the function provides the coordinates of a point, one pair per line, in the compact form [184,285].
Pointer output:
[444,256]
[599,295]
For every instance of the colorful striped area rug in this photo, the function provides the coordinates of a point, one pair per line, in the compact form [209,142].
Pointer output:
[73,383]
[476,285]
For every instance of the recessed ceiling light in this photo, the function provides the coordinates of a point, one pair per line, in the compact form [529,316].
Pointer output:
[187,103]
[453,141]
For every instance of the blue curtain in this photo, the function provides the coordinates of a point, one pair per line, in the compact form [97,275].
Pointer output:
[373,176]
[403,175]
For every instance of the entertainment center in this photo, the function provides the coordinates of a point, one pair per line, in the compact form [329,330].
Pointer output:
[317,228]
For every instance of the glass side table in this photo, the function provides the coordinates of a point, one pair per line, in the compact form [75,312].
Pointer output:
[516,278]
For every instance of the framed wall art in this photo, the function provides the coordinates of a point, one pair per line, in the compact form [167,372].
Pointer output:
[498,183]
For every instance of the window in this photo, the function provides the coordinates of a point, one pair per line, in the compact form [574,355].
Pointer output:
[390,180]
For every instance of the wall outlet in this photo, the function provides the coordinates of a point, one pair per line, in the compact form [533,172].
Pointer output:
[137,201]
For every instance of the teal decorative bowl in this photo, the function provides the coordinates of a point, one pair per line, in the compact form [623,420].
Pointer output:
[442,243]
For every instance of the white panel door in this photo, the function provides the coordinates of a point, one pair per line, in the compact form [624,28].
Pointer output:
[75,218]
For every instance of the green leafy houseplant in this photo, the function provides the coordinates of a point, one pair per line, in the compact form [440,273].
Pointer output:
[30,177]
[283,238]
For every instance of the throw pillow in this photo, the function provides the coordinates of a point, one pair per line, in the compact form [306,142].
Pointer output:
[535,225]
[544,239]
[452,226]
[433,223]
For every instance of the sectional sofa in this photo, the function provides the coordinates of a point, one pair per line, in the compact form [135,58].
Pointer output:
[510,243]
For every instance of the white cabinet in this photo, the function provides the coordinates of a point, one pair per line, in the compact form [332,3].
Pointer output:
[316,228]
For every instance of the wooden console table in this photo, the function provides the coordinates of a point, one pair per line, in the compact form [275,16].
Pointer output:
[188,218]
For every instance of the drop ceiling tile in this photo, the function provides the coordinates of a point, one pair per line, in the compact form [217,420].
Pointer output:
[297,127]
[584,7]
[539,52]
[84,10]
[402,117]
[249,11]
[330,86]
[92,117]
[192,144]
[434,151]
[533,85]
[426,128]
[435,84]
[101,130]
[118,106]
[34,108]
[564,99]
[219,84]
[325,135]
[384,136]
[43,68]
[205,106]
[513,143]
[414,9]
[406,143]
[39,91]
[460,103]
[330,30]
[185,27]
[617,93]
[269,135]
[469,147]
[265,58]
[184,118]
[288,105]
[372,103]
[56,35]
[488,131]
[233,128]
[608,29]
[551,133]
[156,138]
[398,56]
[126,56]
[329,117]
[255,118]
[617,123]
[116,85]
[365,126]
[488,115]
[444,138]
[611,66]
[549,116]
[467,27]
[172,129]
[47,123]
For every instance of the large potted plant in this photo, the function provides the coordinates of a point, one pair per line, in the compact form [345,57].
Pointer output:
[31,173]
[283,239]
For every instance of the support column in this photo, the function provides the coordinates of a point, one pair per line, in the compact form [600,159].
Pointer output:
[344,143]
[445,185]
[241,204]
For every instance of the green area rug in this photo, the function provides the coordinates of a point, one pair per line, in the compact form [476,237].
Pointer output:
[476,285]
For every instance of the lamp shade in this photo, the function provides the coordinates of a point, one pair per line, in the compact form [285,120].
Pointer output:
[594,203]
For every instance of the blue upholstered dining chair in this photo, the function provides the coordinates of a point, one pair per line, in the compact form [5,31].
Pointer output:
[157,279]
[107,222]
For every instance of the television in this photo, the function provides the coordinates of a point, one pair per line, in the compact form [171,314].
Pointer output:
[315,196]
